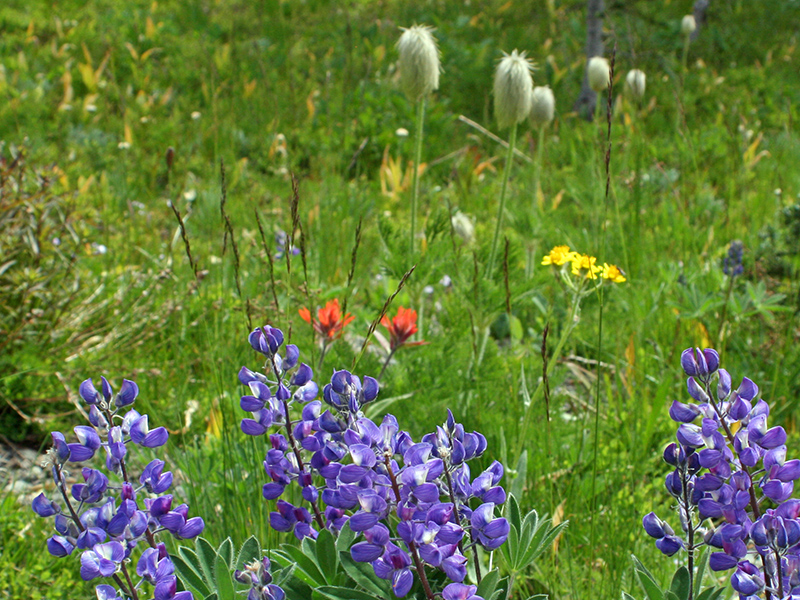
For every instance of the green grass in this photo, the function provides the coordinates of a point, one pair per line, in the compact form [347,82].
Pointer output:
[297,88]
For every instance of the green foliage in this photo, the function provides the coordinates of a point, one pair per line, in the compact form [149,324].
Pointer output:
[528,538]
[207,572]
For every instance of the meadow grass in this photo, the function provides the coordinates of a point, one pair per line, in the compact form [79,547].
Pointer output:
[94,93]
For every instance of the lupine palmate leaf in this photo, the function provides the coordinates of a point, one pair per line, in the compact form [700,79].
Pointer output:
[512,512]
[327,556]
[488,584]
[627,596]
[680,584]
[528,537]
[223,574]
[189,571]
[344,593]
[701,562]
[363,575]
[225,550]
[307,568]
[345,539]
[206,555]
[651,589]
[711,593]
[211,596]
[538,597]
[295,588]
[250,551]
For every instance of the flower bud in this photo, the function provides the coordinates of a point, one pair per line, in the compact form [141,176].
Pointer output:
[513,89]
[688,25]
[544,106]
[599,73]
[635,84]
[419,62]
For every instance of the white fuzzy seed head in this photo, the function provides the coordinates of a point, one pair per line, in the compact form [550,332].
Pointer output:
[635,84]
[513,89]
[599,73]
[688,25]
[544,106]
[419,62]
[463,227]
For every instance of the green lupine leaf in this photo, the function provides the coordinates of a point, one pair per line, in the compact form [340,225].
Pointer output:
[225,550]
[344,593]
[346,538]
[488,584]
[190,578]
[250,551]
[651,589]
[363,575]
[222,573]
[206,555]
[327,556]
[680,584]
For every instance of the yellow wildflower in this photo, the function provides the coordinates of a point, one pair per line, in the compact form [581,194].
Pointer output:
[613,273]
[583,264]
[558,256]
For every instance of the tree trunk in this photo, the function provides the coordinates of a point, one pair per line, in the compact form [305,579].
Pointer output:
[699,10]
[587,99]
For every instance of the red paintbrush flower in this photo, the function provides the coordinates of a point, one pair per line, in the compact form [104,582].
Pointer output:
[402,327]
[329,322]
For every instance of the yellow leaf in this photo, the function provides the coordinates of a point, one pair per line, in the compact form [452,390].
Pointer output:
[128,134]
[69,93]
[148,53]
[705,337]
[249,88]
[312,109]
[214,421]
[149,28]
[558,517]
[84,183]
[87,75]
[132,50]
[557,199]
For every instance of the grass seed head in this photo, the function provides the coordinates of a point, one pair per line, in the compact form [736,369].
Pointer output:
[688,25]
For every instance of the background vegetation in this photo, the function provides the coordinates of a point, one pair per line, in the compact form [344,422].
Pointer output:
[94,278]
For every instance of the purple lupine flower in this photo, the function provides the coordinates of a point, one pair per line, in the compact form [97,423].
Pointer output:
[102,560]
[492,531]
[107,592]
[127,393]
[153,478]
[258,577]
[166,589]
[666,540]
[732,263]
[460,591]
[395,565]
[43,507]
[59,545]
[142,435]
[747,579]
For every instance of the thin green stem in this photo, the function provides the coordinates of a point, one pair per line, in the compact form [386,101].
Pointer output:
[512,140]
[417,161]
[537,177]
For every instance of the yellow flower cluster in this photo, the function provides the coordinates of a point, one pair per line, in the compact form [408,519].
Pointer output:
[583,264]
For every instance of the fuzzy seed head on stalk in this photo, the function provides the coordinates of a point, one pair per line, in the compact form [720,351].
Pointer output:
[544,106]
[599,73]
[513,89]
[419,62]
[688,25]
[635,84]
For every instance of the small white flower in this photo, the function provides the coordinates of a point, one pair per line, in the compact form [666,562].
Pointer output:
[463,227]
[401,132]
[419,61]
[544,106]
[123,145]
[599,73]
[513,89]
[196,115]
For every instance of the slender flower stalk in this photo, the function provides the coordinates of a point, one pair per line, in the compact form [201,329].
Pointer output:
[419,77]
[513,97]
[542,114]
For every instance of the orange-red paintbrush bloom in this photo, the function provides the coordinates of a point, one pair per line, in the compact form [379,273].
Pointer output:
[329,322]
[401,327]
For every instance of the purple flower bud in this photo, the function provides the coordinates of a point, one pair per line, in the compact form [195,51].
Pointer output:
[143,436]
[107,592]
[720,561]
[747,579]
[696,391]
[723,385]
[127,393]
[43,507]
[59,546]
[460,591]
[683,413]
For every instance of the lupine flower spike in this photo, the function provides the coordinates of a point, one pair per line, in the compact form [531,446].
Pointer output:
[732,483]
[358,474]
[109,517]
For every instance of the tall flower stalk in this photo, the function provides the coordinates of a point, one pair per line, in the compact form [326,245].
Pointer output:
[419,76]
[513,97]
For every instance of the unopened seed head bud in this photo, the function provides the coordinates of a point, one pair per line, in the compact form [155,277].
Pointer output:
[599,73]
[419,62]
[544,105]
[635,84]
[463,227]
[688,25]
[513,89]
[170,157]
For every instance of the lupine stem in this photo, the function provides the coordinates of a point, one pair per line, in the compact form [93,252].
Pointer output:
[62,488]
[512,140]
[411,545]
[131,588]
[417,160]
[690,529]
[292,442]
